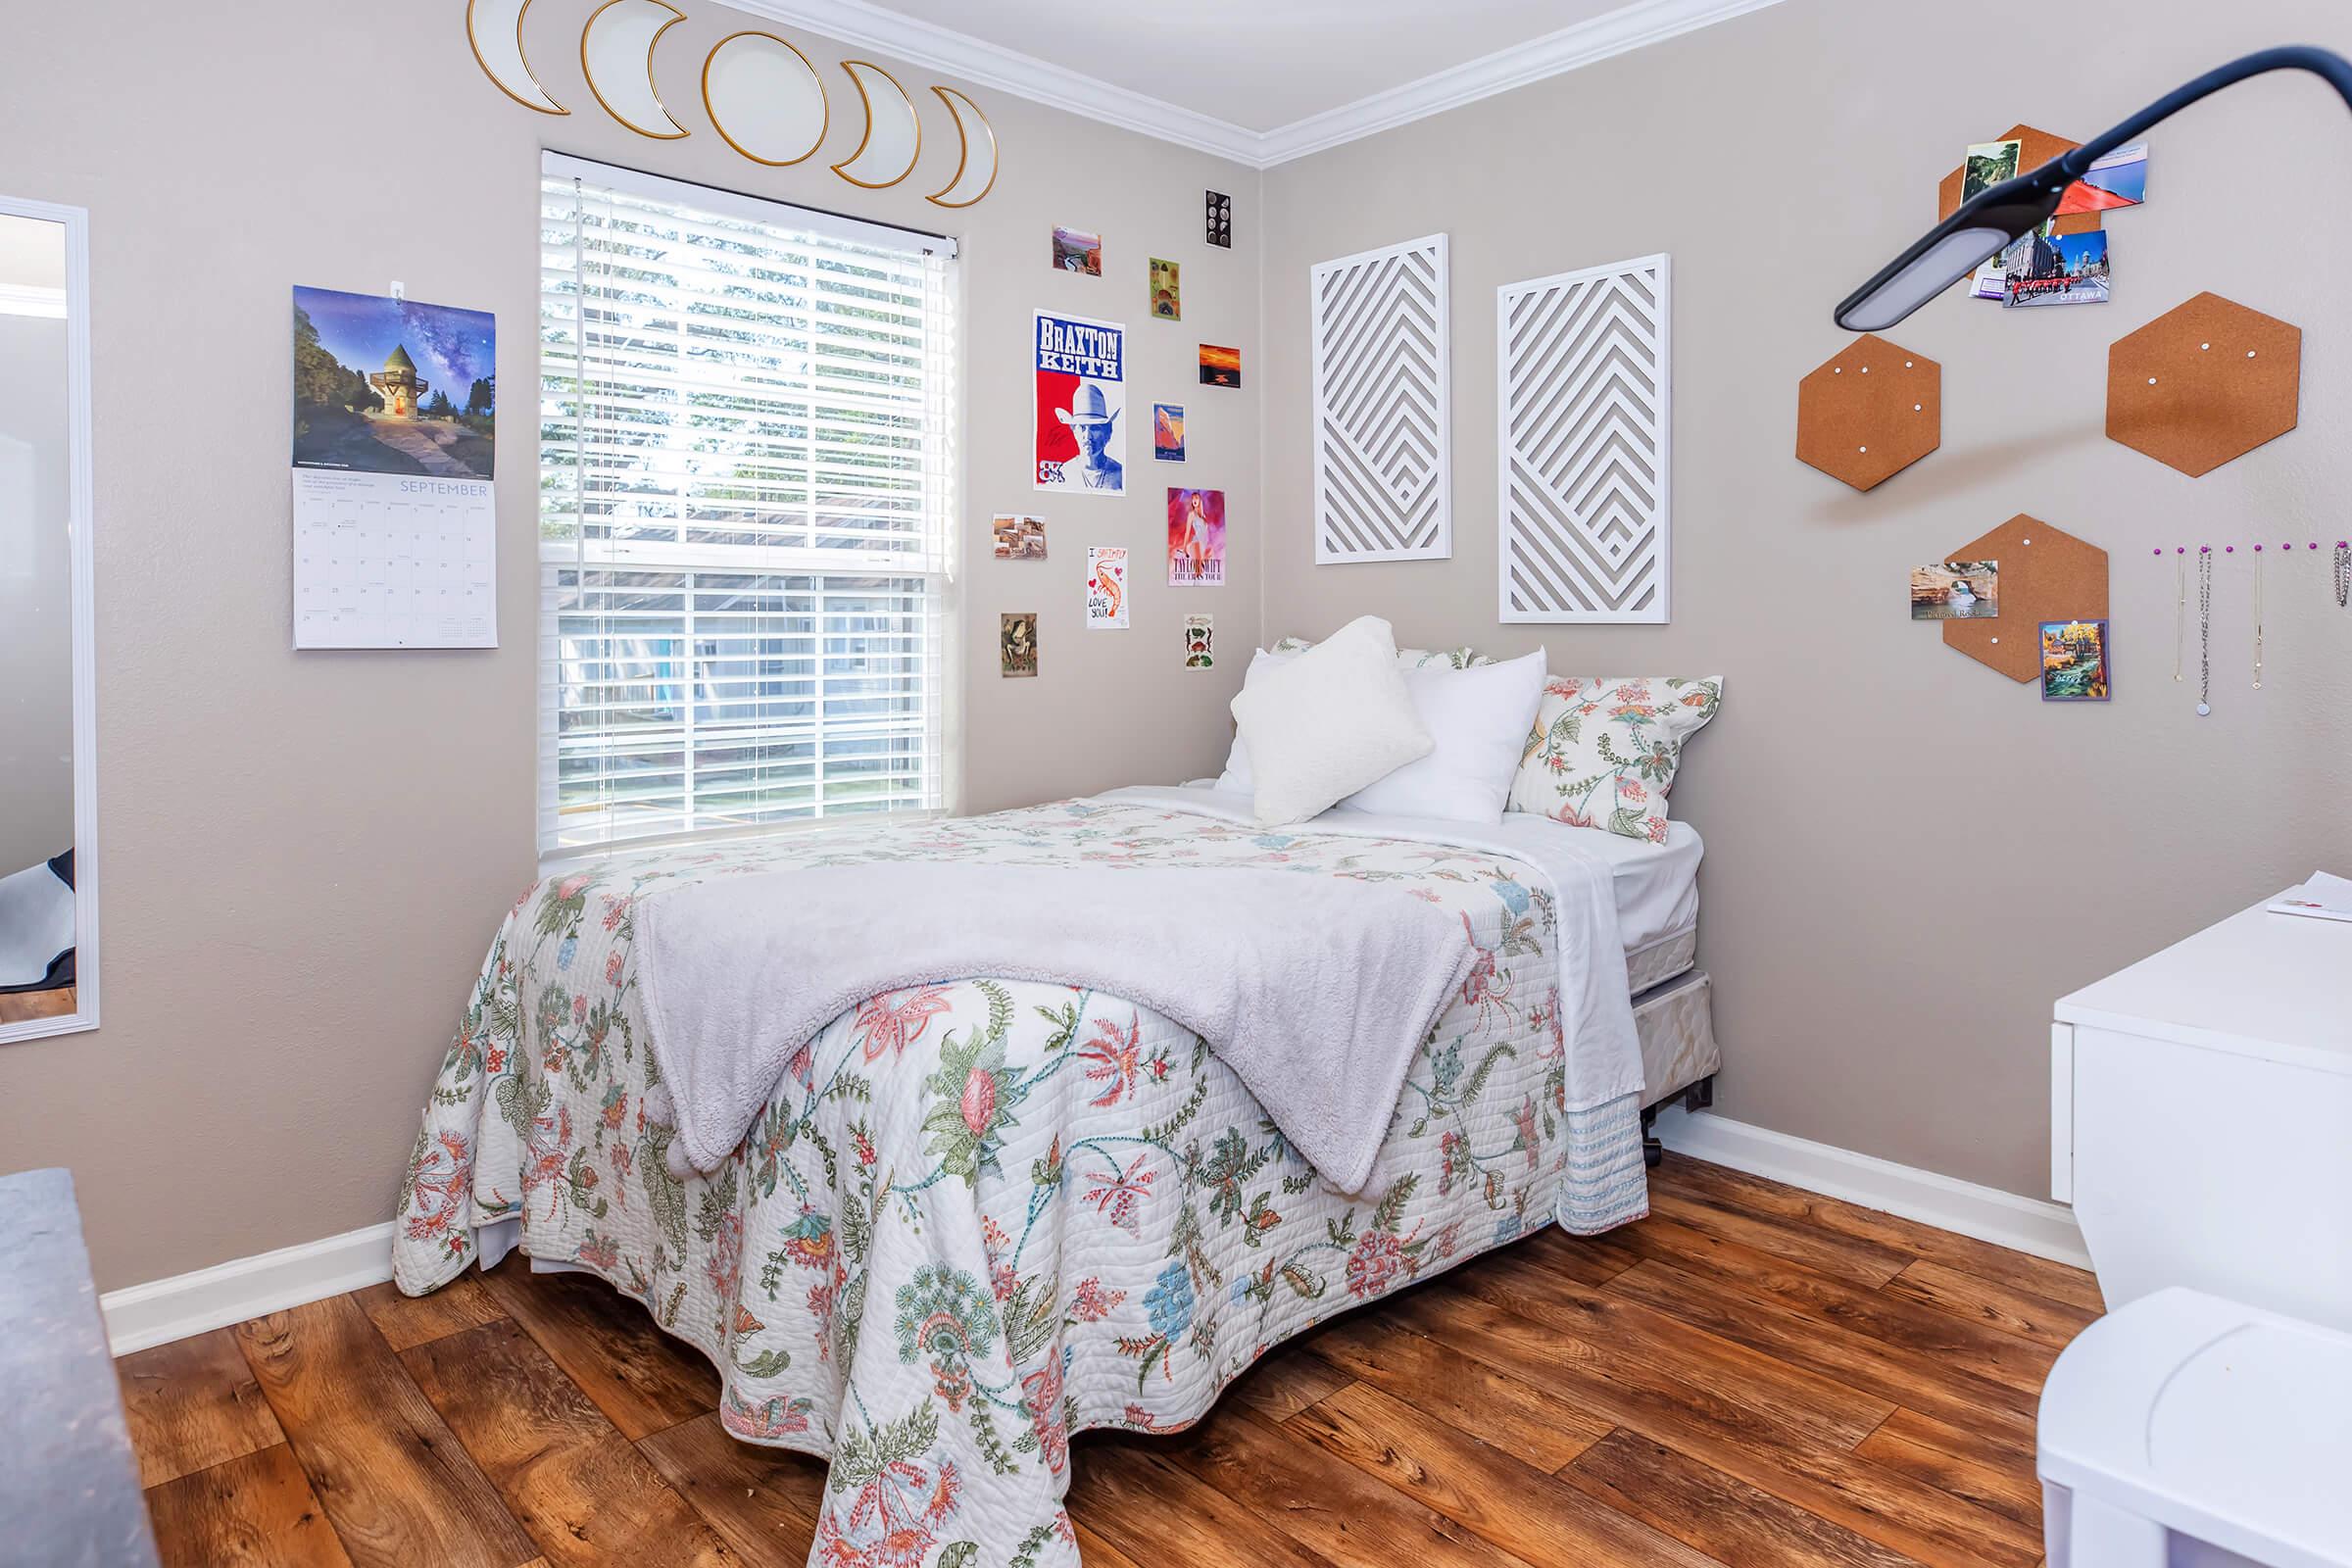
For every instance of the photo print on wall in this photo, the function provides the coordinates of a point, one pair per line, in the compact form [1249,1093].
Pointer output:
[1956,590]
[1018,536]
[1167,293]
[1195,538]
[1081,393]
[1167,433]
[1016,642]
[2073,662]
[1220,220]
[1220,366]
[1200,642]
[1077,251]
[1107,588]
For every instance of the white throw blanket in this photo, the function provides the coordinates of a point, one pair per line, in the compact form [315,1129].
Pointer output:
[1316,991]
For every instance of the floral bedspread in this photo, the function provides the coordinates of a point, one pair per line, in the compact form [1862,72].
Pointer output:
[978,1216]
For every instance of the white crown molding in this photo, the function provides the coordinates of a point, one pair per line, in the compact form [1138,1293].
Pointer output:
[187,1305]
[1615,32]
[1987,1213]
[1631,26]
[987,65]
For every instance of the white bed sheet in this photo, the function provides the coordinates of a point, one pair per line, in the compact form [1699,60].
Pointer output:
[1656,884]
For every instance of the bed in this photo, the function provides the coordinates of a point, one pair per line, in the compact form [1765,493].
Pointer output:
[981,1215]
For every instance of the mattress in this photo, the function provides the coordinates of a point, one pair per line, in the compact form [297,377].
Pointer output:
[1657,899]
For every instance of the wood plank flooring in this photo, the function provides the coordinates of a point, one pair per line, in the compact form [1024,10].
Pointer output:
[1754,1375]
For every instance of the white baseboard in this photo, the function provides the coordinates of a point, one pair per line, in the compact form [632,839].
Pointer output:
[159,1311]
[186,1304]
[2005,1219]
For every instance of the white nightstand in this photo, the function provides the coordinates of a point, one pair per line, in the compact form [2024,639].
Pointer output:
[2201,1118]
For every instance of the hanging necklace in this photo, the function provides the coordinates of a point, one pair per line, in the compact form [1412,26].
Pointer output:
[2344,573]
[2258,617]
[2180,605]
[2204,630]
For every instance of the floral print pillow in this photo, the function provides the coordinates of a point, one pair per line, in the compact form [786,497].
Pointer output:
[1603,753]
[1406,658]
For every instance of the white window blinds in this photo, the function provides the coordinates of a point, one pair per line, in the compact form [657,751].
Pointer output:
[746,459]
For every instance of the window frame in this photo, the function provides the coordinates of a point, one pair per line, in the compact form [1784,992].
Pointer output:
[936,562]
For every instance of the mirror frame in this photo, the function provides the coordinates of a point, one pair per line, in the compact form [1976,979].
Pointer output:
[79,484]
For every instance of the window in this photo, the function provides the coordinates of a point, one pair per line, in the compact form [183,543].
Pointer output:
[745,470]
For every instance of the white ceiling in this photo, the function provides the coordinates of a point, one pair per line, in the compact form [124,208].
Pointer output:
[1255,63]
[1259,81]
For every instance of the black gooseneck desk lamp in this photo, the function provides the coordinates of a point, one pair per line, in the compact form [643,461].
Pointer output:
[1987,222]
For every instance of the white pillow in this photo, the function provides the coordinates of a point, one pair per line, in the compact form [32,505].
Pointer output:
[1479,718]
[1236,776]
[1328,722]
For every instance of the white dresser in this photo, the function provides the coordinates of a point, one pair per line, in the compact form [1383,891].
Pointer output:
[2201,1118]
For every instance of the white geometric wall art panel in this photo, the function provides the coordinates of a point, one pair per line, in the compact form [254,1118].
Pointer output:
[1584,412]
[1384,422]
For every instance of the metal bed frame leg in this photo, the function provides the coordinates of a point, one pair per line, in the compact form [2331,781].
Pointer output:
[1697,1097]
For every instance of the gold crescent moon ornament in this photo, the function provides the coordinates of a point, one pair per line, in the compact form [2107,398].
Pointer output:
[494,31]
[765,98]
[971,172]
[894,137]
[617,55]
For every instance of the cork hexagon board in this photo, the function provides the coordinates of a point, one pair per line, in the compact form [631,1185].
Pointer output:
[2046,574]
[1870,413]
[2205,383]
[2034,149]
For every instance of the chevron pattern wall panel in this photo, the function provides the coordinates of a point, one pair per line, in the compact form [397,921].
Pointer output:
[1586,416]
[1384,433]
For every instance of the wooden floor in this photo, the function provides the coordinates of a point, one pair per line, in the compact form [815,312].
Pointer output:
[1751,1376]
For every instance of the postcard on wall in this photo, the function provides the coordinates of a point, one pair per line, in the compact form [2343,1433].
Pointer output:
[2119,179]
[1220,220]
[1986,165]
[394,449]
[1076,251]
[1167,433]
[1956,590]
[1195,538]
[1168,295]
[1107,588]
[2053,268]
[2073,662]
[1081,396]
[1019,537]
[1220,366]
[1016,642]
[1200,642]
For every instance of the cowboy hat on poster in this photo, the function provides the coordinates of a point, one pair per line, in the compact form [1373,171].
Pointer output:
[1081,396]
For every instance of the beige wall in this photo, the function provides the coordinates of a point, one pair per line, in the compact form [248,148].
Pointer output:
[1908,857]
[36,584]
[304,855]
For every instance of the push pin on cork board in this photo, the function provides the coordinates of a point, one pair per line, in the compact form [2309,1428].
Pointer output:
[1870,413]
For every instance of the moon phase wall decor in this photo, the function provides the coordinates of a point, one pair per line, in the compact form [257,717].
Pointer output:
[1383,408]
[1587,417]
[894,137]
[764,98]
[617,55]
[494,27]
[974,177]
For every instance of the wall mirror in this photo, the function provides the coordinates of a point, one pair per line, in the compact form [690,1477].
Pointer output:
[48,780]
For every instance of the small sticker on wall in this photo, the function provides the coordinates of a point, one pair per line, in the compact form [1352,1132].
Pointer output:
[1167,294]
[1016,642]
[1018,536]
[1200,642]
[1107,588]
[1220,220]
[1167,431]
